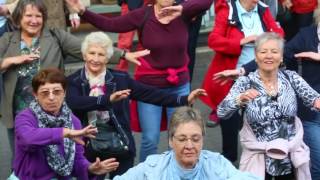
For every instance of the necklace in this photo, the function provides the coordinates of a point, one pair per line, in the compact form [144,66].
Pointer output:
[247,20]
[270,87]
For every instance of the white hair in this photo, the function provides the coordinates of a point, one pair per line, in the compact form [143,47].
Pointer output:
[99,38]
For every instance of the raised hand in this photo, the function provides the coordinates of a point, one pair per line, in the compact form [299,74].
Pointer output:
[76,6]
[287,4]
[308,56]
[76,135]
[167,14]
[133,56]
[103,167]
[196,94]
[119,95]
[74,20]
[225,76]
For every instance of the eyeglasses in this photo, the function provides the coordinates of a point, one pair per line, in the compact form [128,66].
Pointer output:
[195,139]
[55,92]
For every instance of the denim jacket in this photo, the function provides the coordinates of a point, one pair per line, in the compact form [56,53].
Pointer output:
[212,166]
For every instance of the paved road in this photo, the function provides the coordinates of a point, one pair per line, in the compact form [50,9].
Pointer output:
[212,139]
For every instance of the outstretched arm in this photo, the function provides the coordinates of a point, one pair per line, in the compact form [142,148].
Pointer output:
[125,23]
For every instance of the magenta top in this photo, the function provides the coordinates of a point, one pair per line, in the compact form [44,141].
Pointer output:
[168,43]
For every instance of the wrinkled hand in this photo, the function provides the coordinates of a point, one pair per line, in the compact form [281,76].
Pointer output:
[248,95]
[196,94]
[76,135]
[76,6]
[75,23]
[103,167]
[4,10]
[170,13]
[248,39]
[133,56]
[119,95]
[317,104]
[225,76]
[308,56]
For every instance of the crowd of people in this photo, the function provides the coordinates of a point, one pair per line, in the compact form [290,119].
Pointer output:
[259,88]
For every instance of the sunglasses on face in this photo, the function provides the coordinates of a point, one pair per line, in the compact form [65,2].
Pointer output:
[54,92]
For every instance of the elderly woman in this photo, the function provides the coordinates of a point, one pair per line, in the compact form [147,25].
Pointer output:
[166,66]
[268,96]
[301,54]
[89,87]
[237,25]
[48,136]
[186,160]
[25,51]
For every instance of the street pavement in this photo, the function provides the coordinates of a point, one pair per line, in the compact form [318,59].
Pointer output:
[212,139]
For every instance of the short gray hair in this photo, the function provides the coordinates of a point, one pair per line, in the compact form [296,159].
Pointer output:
[183,115]
[99,38]
[266,37]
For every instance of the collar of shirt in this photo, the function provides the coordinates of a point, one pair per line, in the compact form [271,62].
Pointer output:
[242,11]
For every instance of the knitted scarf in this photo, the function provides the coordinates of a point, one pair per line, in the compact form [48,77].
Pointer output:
[59,163]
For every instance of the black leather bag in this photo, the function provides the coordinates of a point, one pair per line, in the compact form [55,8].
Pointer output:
[110,141]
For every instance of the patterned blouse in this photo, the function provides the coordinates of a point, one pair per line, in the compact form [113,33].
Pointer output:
[270,117]
[23,91]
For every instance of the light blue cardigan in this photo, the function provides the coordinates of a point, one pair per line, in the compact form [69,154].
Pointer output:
[211,166]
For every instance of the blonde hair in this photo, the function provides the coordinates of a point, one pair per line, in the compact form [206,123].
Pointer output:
[99,38]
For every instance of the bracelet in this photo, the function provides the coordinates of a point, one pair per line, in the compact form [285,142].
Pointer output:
[123,54]
[73,16]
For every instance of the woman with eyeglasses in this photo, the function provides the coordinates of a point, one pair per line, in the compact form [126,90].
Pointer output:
[186,160]
[272,135]
[25,51]
[48,137]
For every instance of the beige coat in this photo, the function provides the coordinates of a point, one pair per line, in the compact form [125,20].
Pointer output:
[56,12]
[50,56]
[253,152]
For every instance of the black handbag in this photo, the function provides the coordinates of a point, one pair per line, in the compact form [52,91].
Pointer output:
[110,141]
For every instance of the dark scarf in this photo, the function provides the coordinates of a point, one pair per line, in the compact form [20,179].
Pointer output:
[61,164]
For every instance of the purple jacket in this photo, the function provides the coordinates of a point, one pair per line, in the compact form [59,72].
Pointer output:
[30,162]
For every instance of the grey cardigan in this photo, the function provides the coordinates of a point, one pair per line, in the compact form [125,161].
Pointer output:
[50,56]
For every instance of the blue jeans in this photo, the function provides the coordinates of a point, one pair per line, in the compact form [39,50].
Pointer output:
[311,138]
[150,120]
